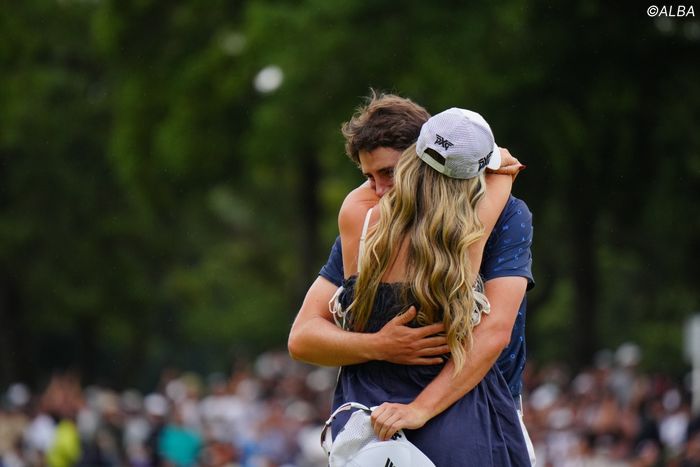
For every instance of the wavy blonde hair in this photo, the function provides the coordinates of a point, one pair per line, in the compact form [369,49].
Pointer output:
[438,216]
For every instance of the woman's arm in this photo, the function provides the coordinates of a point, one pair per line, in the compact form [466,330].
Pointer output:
[490,337]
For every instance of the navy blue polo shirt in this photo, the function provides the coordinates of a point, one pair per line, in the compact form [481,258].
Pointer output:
[507,254]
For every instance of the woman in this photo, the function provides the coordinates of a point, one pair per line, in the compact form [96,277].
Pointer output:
[423,248]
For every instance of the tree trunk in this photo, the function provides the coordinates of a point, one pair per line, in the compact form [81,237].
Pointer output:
[309,213]
[585,275]
[15,361]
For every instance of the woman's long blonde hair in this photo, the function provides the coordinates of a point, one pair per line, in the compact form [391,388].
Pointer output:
[437,215]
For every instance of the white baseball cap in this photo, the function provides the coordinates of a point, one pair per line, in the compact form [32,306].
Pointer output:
[458,143]
[357,444]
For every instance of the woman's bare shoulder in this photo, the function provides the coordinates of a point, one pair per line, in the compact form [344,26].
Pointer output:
[355,207]
[350,221]
[363,195]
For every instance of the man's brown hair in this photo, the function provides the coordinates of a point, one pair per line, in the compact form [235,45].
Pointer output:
[386,120]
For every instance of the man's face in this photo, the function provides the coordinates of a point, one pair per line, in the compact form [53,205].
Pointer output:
[378,166]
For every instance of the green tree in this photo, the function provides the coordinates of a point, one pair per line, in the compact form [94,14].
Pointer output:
[156,208]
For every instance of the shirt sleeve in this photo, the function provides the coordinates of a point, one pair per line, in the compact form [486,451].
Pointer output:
[508,249]
[333,269]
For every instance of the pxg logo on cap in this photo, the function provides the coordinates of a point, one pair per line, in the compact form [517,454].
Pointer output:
[458,143]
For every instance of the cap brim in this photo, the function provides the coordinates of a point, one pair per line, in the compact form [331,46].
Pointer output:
[399,452]
[495,162]
[380,452]
[418,458]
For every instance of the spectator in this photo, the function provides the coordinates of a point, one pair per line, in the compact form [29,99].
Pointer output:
[269,412]
[179,445]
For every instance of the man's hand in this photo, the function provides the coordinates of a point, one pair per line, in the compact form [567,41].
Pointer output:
[509,165]
[399,343]
[314,337]
[389,418]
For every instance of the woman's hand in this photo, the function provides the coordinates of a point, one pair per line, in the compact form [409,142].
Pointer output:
[509,165]
[389,418]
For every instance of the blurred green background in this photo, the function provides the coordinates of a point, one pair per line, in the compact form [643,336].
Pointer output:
[170,171]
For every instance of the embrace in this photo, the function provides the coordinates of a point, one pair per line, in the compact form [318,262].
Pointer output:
[422,300]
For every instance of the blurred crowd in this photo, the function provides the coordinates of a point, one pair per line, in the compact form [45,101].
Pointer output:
[610,415]
[264,414]
[269,413]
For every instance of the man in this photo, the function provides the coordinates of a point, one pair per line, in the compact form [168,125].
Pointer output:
[375,138]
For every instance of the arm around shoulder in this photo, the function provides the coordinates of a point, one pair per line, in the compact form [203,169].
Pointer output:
[498,189]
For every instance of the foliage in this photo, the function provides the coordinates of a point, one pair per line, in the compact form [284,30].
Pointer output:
[156,209]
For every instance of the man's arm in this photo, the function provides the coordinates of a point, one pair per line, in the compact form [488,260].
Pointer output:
[507,275]
[314,337]
[491,336]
